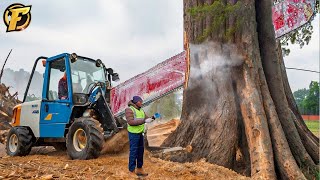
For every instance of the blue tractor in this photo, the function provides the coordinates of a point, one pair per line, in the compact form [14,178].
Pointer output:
[71,111]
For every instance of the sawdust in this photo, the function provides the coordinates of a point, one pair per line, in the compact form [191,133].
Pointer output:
[158,133]
[2,150]
[46,163]
[118,143]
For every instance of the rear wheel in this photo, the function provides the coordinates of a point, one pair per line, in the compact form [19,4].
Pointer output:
[85,139]
[19,141]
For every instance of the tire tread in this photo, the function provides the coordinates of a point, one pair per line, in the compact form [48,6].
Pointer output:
[24,141]
[95,137]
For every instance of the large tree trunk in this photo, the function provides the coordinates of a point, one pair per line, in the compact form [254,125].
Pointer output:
[236,110]
[309,140]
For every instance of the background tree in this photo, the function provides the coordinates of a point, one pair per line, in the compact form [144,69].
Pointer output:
[238,109]
[169,107]
[308,99]
[311,102]
[299,96]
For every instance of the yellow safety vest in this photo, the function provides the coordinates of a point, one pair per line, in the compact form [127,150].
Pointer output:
[138,115]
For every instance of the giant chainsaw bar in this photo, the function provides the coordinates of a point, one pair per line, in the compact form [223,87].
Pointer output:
[164,78]
[151,85]
[288,15]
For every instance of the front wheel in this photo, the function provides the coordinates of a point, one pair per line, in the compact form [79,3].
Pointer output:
[19,141]
[85,139]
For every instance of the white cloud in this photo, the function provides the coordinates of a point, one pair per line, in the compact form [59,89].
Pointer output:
[305,58]
[130,36]
[100,29]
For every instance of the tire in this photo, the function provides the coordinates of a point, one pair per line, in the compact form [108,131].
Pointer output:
[19,141]
[59,146]
[85,139]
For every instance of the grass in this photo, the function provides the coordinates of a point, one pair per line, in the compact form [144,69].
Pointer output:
[313,126]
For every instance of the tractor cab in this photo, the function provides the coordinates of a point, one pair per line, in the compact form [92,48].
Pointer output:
[73,92]
[76,74]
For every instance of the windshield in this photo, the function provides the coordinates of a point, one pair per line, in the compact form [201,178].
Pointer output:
[85,73]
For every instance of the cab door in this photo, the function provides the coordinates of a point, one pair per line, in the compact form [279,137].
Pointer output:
[31,106]
[56,109]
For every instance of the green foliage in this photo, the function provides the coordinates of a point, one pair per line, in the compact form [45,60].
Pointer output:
[300,95]
[301,36]
[308,99]
[312,100]
[169,107]
[219,12]
[318,175]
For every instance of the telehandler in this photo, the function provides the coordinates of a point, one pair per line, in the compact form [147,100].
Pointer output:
[79,122]
[90,111]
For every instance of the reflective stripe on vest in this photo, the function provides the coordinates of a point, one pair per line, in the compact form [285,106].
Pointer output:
[137,115]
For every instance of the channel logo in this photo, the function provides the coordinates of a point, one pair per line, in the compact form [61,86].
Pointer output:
[17,17]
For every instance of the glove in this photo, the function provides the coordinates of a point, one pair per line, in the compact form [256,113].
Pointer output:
[156,115]
[149,120]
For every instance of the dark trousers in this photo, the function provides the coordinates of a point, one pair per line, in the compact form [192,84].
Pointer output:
[136,151]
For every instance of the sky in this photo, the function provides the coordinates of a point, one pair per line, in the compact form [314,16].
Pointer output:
[304,58]
[128,36]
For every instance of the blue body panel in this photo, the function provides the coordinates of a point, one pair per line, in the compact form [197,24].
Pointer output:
[54,130]
[59,113]
[94,95]
[54,120]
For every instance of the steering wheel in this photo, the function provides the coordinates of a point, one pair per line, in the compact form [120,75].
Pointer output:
[94,85]
[87,87]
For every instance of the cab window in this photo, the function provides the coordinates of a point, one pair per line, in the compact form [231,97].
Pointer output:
[58,86]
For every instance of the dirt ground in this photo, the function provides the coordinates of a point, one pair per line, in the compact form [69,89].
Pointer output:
[46,163]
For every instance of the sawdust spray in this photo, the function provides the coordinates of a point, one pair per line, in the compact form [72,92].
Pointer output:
[211,66]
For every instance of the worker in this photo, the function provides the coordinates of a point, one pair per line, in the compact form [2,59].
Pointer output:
[136,118]
[63,87]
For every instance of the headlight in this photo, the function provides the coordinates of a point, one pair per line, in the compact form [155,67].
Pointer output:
[13,120]
[80,99]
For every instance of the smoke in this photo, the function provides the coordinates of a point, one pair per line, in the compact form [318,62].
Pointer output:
[209,59]
[211,73]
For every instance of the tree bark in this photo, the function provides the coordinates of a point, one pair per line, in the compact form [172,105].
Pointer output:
[309,140]
[235,110]
[271,67]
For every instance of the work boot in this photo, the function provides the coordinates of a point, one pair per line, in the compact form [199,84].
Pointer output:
[132,175]
[140,172]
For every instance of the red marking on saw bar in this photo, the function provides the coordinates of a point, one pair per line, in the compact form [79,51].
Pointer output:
[288,15]
[155,82]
